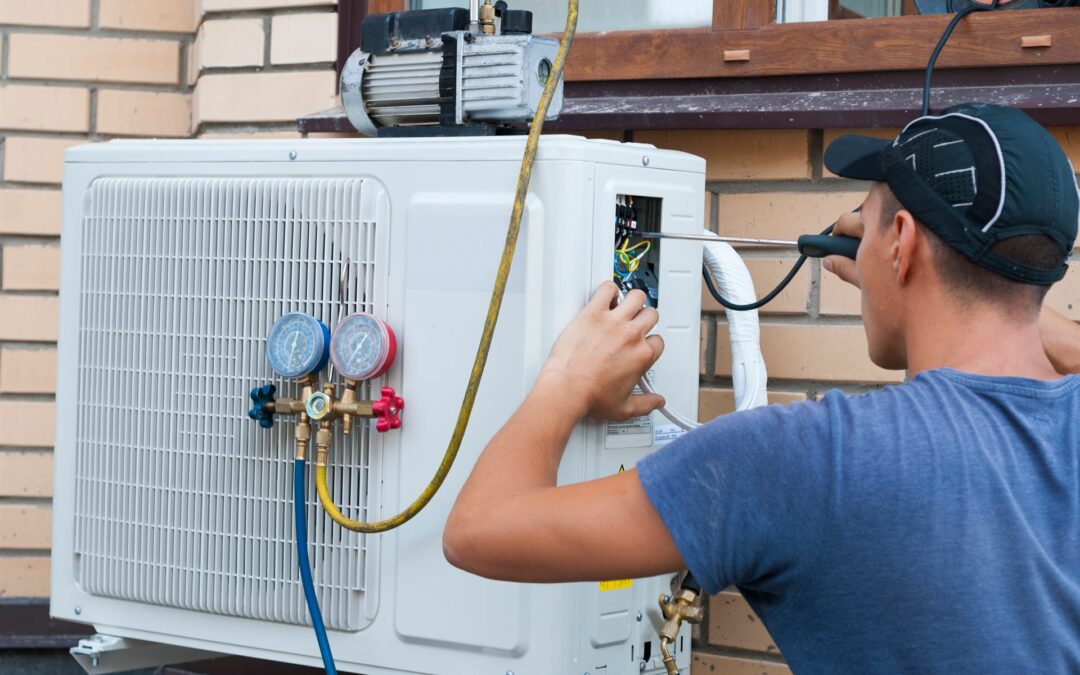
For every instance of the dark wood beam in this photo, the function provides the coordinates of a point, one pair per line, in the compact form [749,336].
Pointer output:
[989,39]
[26,624]
[1050,94]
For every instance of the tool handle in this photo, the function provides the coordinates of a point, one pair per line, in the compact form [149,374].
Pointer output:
[820,246]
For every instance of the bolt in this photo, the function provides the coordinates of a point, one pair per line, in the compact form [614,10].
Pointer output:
[639,616]
[641,666]
[292,154]
[509,672]
[78,610]
[645,160]
[667,599]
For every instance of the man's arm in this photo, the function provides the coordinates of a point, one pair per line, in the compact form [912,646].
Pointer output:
[1061,340]
[511,522]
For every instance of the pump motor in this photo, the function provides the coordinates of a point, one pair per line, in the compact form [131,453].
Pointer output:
[442,72]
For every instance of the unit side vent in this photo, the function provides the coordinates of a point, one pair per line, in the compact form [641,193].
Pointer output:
[181,500]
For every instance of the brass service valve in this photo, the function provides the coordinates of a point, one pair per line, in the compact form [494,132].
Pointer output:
[487,18]
[684,606]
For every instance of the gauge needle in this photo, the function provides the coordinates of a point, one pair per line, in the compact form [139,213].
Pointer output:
[292,347]
[359,346]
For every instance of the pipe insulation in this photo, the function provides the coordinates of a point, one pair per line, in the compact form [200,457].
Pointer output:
[748,372]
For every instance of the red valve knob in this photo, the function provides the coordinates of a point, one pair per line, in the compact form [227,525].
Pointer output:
[388,410]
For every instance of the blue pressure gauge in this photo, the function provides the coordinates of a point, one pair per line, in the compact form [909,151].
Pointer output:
[298,345]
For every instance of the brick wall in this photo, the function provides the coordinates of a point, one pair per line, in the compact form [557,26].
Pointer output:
[258,65]
[71,71]
[79,70]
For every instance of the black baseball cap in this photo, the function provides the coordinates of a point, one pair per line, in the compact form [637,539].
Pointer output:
[976,174]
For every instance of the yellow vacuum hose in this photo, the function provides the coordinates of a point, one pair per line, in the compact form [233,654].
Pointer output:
[535,129]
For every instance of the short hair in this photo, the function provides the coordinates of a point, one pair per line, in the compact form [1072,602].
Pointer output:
[972,283]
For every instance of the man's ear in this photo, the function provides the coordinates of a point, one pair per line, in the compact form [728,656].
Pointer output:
[906,245]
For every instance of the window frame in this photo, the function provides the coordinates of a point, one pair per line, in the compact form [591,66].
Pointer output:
[859,72]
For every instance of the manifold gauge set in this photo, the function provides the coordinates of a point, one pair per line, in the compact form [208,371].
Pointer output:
[363,346]
[299,346]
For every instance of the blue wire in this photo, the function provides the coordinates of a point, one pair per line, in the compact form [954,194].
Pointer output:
[300,515]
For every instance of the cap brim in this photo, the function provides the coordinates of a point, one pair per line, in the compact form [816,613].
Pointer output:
[857,157]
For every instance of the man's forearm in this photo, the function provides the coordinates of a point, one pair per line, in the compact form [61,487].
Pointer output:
[523,457]
[1061,340]
[526,452]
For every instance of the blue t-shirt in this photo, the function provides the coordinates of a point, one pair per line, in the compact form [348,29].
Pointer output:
[930,527]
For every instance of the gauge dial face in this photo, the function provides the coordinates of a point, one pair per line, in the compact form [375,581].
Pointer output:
[363,347]
[297,345]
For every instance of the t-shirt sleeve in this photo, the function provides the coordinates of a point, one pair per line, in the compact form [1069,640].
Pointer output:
[747,497]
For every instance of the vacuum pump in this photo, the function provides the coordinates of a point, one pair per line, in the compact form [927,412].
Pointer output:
[448,72]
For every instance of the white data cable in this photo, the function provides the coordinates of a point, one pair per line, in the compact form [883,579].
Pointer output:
[748,371]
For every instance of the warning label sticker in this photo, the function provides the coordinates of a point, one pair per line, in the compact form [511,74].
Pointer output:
[616,585]
[635,433]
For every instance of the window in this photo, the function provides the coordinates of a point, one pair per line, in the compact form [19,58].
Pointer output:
[609,15]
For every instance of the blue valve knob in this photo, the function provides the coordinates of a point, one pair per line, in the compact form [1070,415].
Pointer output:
[260,411]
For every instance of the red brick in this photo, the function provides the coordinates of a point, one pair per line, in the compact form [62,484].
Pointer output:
[24,577]
[27,424]
[732,623]
[26,474]
[715,664]
[826,353]
[715,402]
[25,527]
[740,155]
[766,274]
[783,215]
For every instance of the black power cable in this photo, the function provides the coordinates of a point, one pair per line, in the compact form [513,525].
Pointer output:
[768,298]
[957,18]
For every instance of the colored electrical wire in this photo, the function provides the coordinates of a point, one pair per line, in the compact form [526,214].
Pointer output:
[300,516]
[494,308]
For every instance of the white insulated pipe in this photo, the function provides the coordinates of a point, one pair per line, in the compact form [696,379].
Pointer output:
[748,372]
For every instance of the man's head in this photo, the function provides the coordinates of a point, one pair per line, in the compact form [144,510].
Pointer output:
[978,206]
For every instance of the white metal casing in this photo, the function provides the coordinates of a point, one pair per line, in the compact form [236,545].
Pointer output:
[435,212]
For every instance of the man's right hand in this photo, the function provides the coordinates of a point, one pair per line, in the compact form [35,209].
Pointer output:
[604,351]
[850,225]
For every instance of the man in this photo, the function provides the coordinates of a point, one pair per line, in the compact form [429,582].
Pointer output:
[932,526]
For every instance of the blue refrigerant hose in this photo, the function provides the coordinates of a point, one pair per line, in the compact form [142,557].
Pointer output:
[300,516]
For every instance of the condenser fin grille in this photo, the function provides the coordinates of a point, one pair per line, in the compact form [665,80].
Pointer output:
[181,500]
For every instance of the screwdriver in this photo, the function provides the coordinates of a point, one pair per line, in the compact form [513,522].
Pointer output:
[809,245]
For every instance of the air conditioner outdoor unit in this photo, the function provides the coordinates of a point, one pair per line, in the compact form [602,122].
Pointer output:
[172,511]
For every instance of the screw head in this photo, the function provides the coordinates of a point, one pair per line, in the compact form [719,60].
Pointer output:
[292,154]
[645,160]
[639,616]
[641,666]
[78,610]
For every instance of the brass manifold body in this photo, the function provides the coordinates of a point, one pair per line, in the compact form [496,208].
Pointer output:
[684,606]
[321,408]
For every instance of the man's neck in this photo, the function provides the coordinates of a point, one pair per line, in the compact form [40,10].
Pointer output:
[975,340]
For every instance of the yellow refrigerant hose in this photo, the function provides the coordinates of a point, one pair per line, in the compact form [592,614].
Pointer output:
[535,129]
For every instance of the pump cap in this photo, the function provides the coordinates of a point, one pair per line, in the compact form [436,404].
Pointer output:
[517,22]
